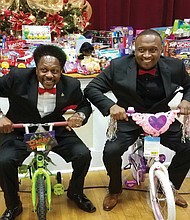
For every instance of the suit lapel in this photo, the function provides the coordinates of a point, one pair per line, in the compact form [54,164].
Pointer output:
[131,76]
[33,89]
[60,95]
[132,81]
[166,77]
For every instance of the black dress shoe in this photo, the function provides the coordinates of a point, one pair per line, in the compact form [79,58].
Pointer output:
[82,202]
[11,214]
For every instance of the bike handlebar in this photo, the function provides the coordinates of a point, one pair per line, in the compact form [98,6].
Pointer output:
[131,111]
[152,124]
[22,125]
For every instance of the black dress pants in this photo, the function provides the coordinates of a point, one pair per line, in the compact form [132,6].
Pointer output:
[13,152]
[113,151]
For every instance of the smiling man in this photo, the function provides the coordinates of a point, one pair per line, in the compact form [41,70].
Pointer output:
[40,95]
[146,81]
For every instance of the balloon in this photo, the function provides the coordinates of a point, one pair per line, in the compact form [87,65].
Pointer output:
[77,3]
[48,6]
[88,10]
[82,4]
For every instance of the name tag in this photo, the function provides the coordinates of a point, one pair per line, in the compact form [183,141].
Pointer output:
[151,146]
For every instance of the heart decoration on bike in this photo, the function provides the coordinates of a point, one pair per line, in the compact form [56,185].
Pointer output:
[155,124]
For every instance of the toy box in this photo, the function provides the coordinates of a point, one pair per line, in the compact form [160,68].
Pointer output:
[36,34]
[109,53]
[181,28]
[176,48]
[122,38]
[164,32]
[21,58]
[2,41]
[102,37]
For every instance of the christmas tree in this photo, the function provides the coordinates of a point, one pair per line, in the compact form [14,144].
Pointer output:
[63,16]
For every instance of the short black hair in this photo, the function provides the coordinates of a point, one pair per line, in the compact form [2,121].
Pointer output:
[49,50]
[149,32]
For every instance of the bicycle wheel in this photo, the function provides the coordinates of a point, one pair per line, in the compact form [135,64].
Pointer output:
[41,206]
[162,197]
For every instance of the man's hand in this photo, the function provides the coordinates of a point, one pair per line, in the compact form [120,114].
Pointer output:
[118,113]
[184,107]
[74,121]
[5,125]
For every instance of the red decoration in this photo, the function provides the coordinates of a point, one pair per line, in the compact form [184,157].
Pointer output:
[7,13]
[65,1]
[55,22]
[85,19]
[72,107]
[19,19]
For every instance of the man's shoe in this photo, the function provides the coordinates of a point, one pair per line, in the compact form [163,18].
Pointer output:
[82,202]
[110,201]
[11,214]
[180,201]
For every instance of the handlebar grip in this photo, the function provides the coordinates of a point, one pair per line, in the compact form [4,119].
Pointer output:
[18,125]
[60,123]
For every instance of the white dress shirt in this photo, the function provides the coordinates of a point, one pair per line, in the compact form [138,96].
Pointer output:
[46,102]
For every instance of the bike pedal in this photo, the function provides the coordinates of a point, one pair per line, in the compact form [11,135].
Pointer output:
[23,169]
[130,183]
[58,189]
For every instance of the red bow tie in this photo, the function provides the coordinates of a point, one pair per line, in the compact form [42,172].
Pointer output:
[42,90]
[151,72]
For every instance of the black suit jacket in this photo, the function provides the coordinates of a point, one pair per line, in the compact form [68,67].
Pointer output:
[20,86]
[120,78]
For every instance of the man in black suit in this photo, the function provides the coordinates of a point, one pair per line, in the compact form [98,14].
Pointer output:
[40,95]
[146,81]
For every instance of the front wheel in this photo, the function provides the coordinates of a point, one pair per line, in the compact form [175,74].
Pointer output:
[162,197]
[41,206]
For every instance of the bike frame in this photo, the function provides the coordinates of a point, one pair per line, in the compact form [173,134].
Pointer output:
[40,168]
[154,125]
[157,165]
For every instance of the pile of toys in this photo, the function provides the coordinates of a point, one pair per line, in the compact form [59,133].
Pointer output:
[17,53]
[177,44]
[119,38]
[100,46]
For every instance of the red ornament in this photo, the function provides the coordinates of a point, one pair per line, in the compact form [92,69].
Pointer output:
[19,19]
[65,1]
[7,13]
[55,22]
